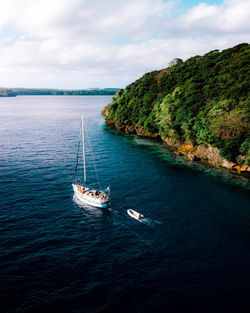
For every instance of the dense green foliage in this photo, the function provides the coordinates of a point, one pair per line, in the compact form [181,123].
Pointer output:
[58,92]
[202,100]
[4,92]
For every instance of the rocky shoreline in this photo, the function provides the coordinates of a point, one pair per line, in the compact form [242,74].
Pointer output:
[205,153]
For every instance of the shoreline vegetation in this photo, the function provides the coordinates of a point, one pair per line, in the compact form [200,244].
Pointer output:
[200,107]
[13,92]
[5,92]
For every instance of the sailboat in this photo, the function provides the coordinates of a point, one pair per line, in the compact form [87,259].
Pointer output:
[93,197]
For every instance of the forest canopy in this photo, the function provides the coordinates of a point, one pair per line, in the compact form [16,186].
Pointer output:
[202,100]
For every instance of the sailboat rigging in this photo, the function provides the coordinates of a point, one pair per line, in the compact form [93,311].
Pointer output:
[93,197]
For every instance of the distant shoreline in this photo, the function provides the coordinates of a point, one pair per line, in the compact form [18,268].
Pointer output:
[13,92]
[62,95]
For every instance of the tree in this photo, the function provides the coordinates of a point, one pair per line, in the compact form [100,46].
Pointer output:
[175,61]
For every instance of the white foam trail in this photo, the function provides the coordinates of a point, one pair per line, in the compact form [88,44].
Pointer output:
[149,222]
[145,220]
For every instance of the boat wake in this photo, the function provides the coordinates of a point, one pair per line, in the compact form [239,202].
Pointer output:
[121,211]
[149,222]
[144,220]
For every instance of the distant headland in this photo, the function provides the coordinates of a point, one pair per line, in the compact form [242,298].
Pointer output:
[200,107]
[12,92]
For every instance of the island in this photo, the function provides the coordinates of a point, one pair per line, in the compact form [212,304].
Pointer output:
[200,107]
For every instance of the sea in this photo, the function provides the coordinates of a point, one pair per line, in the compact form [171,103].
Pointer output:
[190,252]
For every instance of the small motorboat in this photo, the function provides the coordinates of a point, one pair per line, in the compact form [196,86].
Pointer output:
[134,214]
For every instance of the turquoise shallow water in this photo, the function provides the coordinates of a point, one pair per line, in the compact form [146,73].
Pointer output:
[191,253]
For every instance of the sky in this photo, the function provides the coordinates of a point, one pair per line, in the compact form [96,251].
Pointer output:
[80,44]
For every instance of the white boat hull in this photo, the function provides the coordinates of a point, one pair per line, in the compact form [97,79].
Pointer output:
[95,202]
[134,214]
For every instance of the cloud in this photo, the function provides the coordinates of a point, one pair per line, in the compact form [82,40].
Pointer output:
[86,43]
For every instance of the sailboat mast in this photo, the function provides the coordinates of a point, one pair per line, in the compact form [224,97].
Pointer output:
[83,151]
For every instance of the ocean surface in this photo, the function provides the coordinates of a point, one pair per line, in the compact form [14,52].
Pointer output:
[191,252]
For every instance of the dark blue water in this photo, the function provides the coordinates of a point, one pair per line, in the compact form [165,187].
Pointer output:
[190,254]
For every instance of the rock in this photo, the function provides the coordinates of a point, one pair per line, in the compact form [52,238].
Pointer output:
[130,129]
[119,125]
[145,133]
[206,153]
[191,155]
[171,143]
[109,121]
[241,168]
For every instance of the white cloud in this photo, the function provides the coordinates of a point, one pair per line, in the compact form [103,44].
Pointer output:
[84,43]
